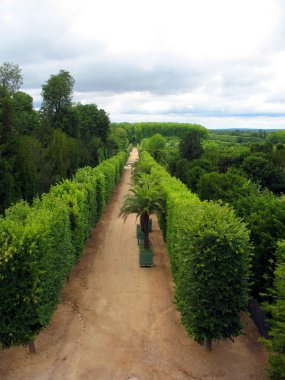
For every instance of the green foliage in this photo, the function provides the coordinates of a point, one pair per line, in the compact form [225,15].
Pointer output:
[29,160]
[265,216]
[92,185]
[182,170]
[212,253]
[35,257]
[11,77]
[117,140]
[238,174]
[7,184]
[238,135]
[112,169]
[6,116]
[276,343]
[25,119]
[93,122]
[40,148]
[193,177]
[222,157]
[261,147]
[75,197]
[57,96]
[276,137]
[39,245]
[191,145]
[118,162]
[138,131]
[140,167]
[210,257]
[143,200]
[155,145]
[279,156]
[228,187]
[109,172]
[261,169]
[101,196]
[59,154]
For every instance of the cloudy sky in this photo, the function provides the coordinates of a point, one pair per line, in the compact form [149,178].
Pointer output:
[218,63]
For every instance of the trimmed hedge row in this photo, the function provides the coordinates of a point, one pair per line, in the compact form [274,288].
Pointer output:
[209,253]
[276,343]
[40,244]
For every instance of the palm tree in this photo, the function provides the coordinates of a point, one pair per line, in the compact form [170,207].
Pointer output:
[144,199]
[140,168]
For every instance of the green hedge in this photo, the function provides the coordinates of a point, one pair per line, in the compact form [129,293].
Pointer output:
[93,185]
[40,244]
[209,253]
[36,254]
[75,197]
[276,343]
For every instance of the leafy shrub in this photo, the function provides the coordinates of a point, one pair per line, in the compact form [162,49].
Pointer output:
[39,245]
[75,196]
[36,255]
[276,343]
[209,253]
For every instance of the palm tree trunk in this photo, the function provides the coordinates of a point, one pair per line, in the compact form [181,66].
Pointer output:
[144,225]
[209,344]
[32,347]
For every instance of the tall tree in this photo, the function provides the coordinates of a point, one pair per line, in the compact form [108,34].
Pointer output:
[191,144]
[10,77]
[10,81]
[57,97]
[155,145]
[25,119]
[59,155]
[93,122]
[6,111]
[265,217]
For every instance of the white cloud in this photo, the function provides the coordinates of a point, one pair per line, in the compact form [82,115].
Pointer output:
[178,60]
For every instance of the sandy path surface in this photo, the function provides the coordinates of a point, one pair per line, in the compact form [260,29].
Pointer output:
[117,321]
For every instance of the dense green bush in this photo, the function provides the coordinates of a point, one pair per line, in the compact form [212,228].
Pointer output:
[276,343]
[118,161]
[209,253]
[265,217]
[75,196]
[212,252]
[36,255]
[90,181]
[109,172]
[39,245]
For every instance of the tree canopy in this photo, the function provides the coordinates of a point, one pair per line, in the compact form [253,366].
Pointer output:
[191,144]
[57,96]
[11,77]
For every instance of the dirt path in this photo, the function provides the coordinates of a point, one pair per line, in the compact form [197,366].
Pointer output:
[117,321]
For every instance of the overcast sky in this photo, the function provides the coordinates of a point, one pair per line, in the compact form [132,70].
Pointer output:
[218,63]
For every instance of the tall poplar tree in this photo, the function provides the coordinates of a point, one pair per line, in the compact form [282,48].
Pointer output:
[57,97]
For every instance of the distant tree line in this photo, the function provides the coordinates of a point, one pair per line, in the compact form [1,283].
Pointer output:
[40,147]
[138,131]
